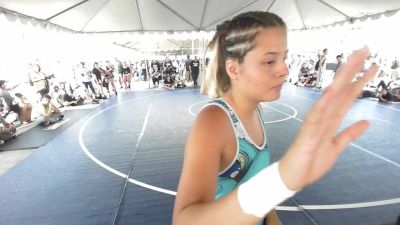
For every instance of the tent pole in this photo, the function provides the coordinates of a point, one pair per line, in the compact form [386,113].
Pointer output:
[177,14]
[296,3]
[140,17]
[66,10]
[192,46]
[231,13]
[337,10]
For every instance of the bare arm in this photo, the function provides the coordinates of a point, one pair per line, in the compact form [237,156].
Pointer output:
[195,202]
[318,145]
[322,61]
[272,218]
[37,77]
[382,99]
[4,122]
[54,108]
[13,87]
[48,113]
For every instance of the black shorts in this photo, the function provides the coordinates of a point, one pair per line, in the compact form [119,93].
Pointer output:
[43,91]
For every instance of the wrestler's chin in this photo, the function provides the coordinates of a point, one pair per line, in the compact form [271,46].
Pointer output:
[273,94]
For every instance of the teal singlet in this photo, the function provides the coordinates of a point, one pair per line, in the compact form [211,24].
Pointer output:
[249,159]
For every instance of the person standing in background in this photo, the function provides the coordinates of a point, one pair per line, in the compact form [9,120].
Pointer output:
[320,68]
[195,69]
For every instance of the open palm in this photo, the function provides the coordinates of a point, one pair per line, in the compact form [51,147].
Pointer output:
[318,145]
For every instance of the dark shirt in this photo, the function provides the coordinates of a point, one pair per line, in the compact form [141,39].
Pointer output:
[9,100]
[368,94]
[156,63]
[126,70]
[170,81]
[110,69]
[195,66]
[97,73]
[7,97]
[187,64]
[388,97]
[304,71]
[120,67]
[167,63]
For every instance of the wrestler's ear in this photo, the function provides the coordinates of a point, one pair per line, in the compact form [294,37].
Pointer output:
[232,68]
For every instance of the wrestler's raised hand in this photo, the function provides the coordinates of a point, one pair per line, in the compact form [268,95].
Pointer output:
[318,145]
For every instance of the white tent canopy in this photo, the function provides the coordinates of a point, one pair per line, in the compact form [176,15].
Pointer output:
[188,15]
[104,29]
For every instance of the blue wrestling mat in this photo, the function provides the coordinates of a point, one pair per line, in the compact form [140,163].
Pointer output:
[120,164]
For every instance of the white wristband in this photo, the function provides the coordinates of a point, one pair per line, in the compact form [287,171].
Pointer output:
[263,192]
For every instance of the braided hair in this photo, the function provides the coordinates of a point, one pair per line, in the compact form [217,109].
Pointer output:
[233,40]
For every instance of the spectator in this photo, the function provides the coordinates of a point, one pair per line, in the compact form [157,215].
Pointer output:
[320,68]
[11,104]
[98,80]
[181,68]
[383,85]
[40,80]
[179,80]
[127,74]
[25,112]
[339,60]
[156,76]
[63,99]
[188,74]
[118,71]
[169,82]
[85,76]
[383,96]
[144,69]
[304,75]
[7,131]
[195,69]
[49,113]
[108,79]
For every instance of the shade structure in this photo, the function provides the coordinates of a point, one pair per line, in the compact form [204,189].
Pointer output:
[189,15]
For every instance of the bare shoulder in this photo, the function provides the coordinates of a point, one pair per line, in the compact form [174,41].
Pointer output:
[213,114]
[210,134]
[212,120]
[203,153]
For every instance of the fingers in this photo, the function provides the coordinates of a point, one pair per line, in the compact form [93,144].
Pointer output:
[343,78]
[345,92]
[346,73]
[345,137]
[355,89]
[316,113]
[340,106]
[326,116]
[361,81]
